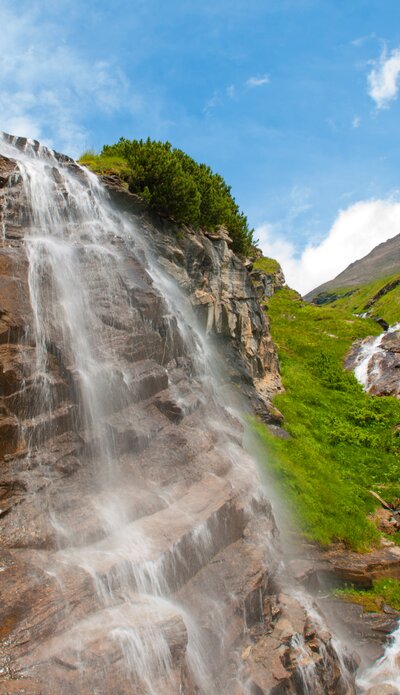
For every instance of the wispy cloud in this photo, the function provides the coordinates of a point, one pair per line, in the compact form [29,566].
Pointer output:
[332,125]
[214,101]
[219,96]
[383,80]
[48,89]
[356,122]
[360,40]
[257,81]
[299,202]
[355,232]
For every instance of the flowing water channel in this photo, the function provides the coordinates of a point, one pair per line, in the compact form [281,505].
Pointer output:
[141,534]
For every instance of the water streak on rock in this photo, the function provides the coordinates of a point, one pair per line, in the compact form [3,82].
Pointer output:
[140,552]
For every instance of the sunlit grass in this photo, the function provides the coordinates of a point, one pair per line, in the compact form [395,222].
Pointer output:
[343,442]
[104,164]
[266,265]
[386,307]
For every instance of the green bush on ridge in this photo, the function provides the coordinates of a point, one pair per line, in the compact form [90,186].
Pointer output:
[175,185]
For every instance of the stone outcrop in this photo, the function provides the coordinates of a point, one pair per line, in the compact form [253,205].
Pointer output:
[360,569]
[302,655]
[94,602]
[266,284]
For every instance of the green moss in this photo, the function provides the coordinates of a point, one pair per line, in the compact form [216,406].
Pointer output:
[383,592]
[343,442]
[266,265]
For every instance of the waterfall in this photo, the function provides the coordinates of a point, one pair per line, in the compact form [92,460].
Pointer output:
[385,673]
[159,549]
[367,368]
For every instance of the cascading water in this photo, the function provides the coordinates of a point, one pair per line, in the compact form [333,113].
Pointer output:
[70,251]
[386,671]
[367,368]
[160,503]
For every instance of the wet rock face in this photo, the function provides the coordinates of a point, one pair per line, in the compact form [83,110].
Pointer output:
[222,293]
[85,532]
[301,659]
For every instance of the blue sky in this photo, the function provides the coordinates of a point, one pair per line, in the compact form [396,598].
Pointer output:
[294,102]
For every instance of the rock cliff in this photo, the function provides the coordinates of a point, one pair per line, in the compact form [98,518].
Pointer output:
[225,296]
[138,550]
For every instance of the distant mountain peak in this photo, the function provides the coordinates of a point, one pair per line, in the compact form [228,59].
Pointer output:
[382,261]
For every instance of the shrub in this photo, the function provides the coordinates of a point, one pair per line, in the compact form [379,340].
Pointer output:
[175,185]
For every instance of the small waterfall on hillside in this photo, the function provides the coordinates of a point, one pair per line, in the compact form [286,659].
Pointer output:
[160,503]
[368,360]
[384,676]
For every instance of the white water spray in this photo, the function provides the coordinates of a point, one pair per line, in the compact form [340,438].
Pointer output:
[386,671]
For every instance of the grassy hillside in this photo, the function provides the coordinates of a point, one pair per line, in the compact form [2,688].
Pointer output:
[380,298]
[343,442]
[383,592]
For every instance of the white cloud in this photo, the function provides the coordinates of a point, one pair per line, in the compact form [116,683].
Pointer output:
[257,81]
[231,91]
[356,122]
[355,232]
[383,79]
[48,89]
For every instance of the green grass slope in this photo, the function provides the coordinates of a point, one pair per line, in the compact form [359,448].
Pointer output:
[343,442]
[380,299]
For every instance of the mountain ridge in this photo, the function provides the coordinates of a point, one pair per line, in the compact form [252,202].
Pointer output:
[382,261]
